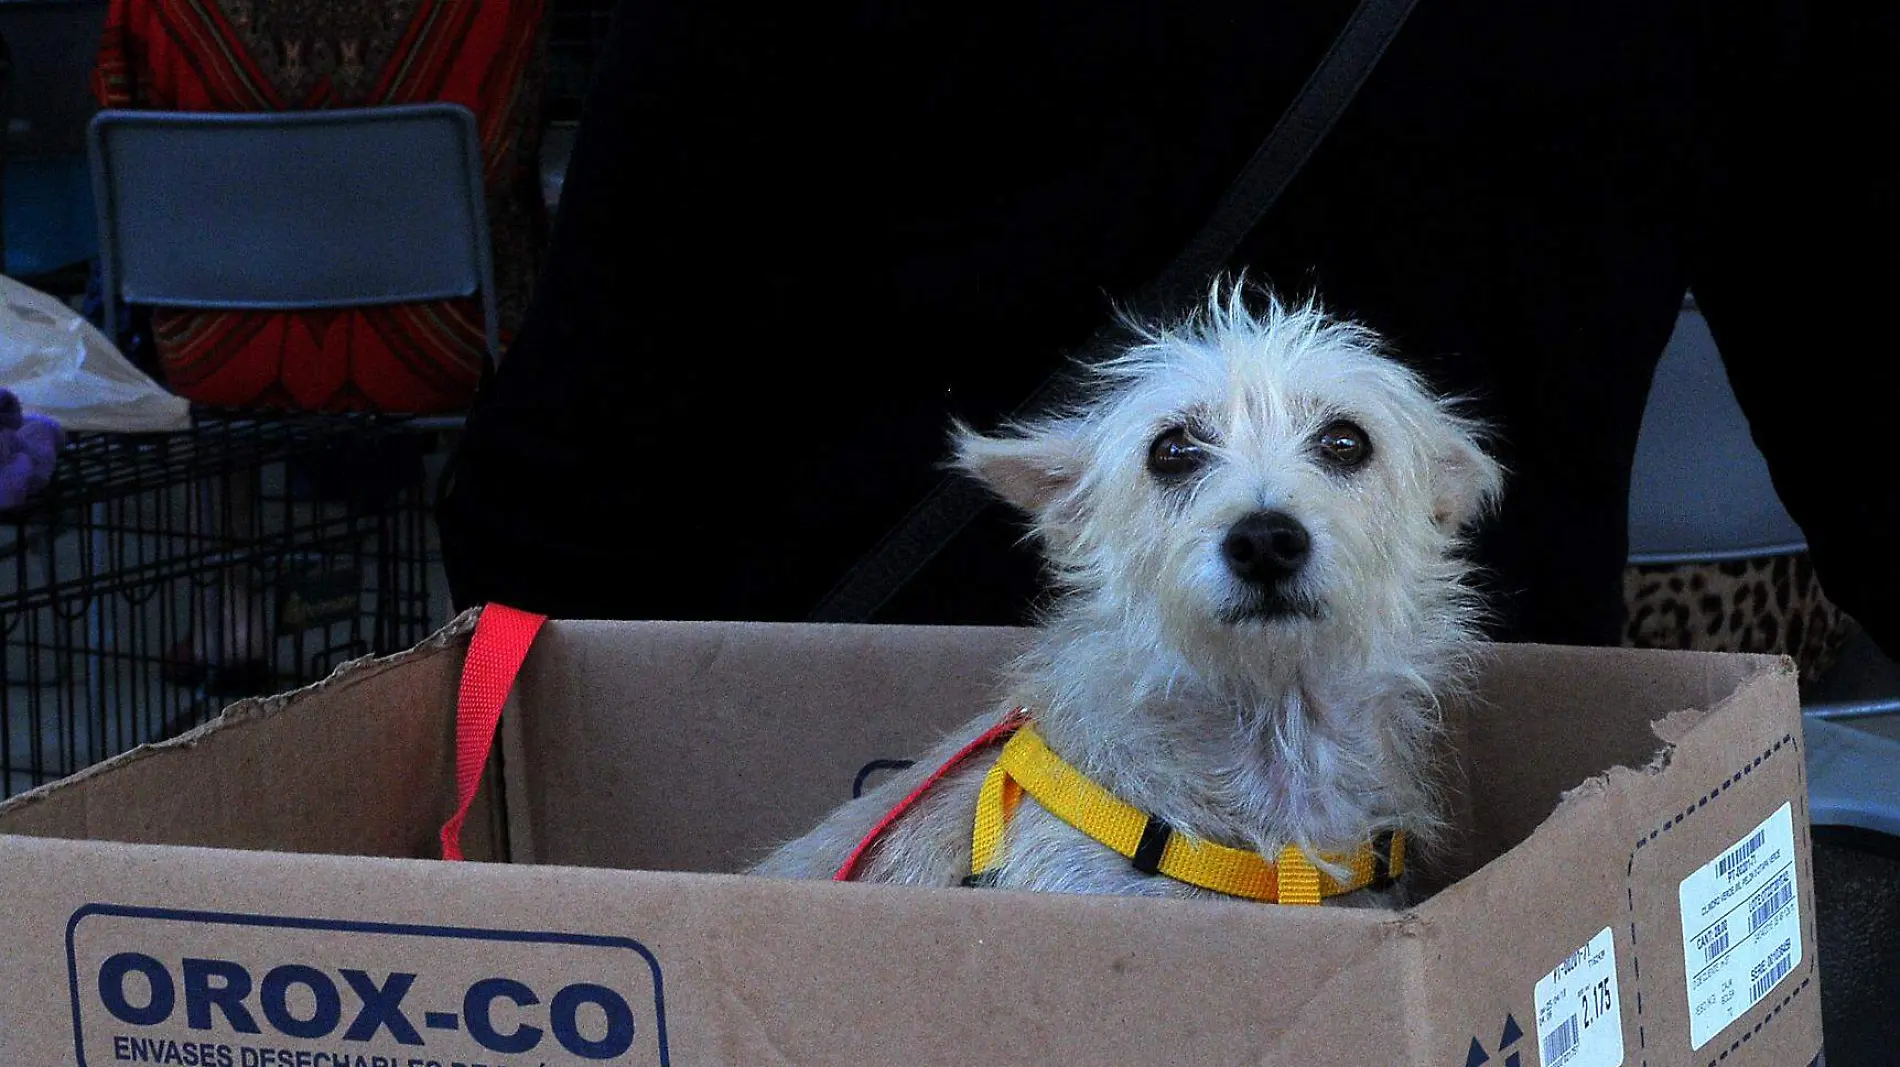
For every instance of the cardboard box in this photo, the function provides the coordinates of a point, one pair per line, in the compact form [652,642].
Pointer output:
[263,893]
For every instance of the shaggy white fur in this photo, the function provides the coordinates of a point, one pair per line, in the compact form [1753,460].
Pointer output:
[1255,522]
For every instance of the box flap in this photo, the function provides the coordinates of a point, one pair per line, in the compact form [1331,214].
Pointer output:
[1546,718]
[359,764]
[1605,872]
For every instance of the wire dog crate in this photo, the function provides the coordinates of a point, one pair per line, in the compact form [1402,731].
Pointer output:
[161,576]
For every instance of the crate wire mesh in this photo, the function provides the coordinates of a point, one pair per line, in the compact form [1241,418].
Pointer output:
[161,576]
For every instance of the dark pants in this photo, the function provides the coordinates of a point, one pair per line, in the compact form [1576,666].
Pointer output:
[794,245]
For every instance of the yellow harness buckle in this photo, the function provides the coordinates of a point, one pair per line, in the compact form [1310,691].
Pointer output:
[1027,765]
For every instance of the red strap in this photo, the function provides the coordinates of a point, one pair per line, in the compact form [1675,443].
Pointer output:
[495,654]
[990,737]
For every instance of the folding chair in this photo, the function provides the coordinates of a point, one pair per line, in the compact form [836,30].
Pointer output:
[294,210]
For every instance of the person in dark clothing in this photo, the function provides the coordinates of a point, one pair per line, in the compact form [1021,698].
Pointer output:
[795,243]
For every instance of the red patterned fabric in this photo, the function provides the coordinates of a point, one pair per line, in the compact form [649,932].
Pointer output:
[280,55]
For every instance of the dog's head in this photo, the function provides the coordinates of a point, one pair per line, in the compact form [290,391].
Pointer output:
[1249,479]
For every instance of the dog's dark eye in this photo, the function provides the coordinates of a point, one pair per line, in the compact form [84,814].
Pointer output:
[1345,445]
[1175,454]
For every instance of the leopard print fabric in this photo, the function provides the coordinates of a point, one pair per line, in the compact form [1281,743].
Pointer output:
[1771,604]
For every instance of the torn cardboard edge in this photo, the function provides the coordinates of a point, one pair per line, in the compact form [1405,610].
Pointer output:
[1677,726]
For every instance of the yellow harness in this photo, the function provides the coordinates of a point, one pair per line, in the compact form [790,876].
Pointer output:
[1027,765]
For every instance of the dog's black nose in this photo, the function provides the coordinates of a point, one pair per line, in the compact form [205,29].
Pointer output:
[1266,547]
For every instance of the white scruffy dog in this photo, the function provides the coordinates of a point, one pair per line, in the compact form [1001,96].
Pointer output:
[1255,522]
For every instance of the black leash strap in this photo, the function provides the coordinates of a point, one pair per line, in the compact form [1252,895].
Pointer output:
[956,500]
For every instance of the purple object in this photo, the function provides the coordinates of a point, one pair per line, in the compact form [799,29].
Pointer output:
[29,449]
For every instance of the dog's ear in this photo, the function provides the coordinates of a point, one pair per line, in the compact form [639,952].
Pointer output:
[1466,481]
[1035,468]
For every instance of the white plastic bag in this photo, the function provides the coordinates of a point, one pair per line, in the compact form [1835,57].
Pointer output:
[59,365]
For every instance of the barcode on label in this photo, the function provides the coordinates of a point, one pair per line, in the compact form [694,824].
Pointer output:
[1770,904]
[1560,1041]
[1717,944]
[1767,981]
[1726,866]
[1741,927]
